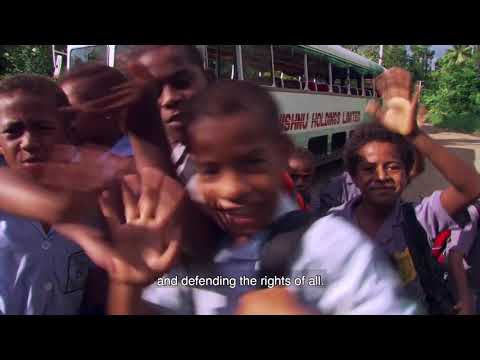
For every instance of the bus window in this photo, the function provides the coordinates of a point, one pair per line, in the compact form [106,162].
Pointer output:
[340,79]
[355,82]
[318,145]
[221,59]
[368,86]
[289,63]
[121,54]
[257,63]
[318,77]
[338,141]
[95,53]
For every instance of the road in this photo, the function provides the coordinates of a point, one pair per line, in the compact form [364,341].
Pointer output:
[466,146]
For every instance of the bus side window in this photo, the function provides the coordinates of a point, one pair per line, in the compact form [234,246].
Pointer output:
[368,86]
[317,73]
[96,53]
[355,82]
[257,63]
[318,145]
[289,63]
[122,53]
[338,141]
[222,60]
[340,79]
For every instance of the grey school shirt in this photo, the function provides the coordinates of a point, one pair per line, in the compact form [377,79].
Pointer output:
[390,238]
[355,278]
[465,241]
[336,192]
[40,274]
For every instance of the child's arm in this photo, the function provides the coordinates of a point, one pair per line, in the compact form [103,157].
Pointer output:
[464,179]
[23,197]
[276,301]
[143,247]
[466,303]
[400,116]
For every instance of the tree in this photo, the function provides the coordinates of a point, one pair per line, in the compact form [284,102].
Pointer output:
[395,55]
[35,59]
[420,61]
[453,95]
[369,51]
[459,53]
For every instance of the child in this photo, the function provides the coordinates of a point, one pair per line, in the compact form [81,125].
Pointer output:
[342,188]
[379,162]
[458,254]
[301,170]
[179,75]
[234,137]
[89,82]
[41,272]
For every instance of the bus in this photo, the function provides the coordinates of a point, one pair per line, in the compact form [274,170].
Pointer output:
[321,90]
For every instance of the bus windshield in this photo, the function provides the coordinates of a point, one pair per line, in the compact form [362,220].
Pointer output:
[94,53]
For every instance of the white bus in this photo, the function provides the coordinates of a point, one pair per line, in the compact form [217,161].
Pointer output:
[322,90]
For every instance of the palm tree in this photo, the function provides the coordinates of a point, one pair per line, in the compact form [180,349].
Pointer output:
[459,53]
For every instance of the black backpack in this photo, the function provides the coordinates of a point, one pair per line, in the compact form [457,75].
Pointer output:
[438,296]
[283,244]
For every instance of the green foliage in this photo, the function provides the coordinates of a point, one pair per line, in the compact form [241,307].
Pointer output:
[453,94]
[395,55]
[35,59]
[420,61]
[458,54]
[369,51]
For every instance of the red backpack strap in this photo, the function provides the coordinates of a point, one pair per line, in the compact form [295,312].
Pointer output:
[440,243]
[290,187]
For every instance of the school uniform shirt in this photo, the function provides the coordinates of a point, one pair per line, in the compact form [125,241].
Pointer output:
[122,148]
[40,274]
[356,280]
[464,240]
[180,157]
[390,238]
[336,192]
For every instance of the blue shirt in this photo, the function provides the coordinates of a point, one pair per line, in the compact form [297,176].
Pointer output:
[40,274]
[356,277]
[122,148]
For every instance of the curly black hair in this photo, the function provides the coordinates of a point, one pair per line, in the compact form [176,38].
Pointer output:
[303,154]
[370,132]
[227,97]
[105,79]
[35,85]
[192,53]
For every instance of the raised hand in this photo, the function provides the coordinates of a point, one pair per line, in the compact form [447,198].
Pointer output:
[147,244]
[399,111]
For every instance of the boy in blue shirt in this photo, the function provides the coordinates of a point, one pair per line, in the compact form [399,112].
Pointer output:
[41,272]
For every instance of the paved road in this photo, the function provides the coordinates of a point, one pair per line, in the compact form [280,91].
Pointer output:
[466,146]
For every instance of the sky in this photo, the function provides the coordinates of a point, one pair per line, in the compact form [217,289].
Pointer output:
[440,50]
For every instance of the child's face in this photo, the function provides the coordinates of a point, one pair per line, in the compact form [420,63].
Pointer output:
[29,127]
[301,172]
[90,128]
[381,174]
[239,170]
[178,80]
